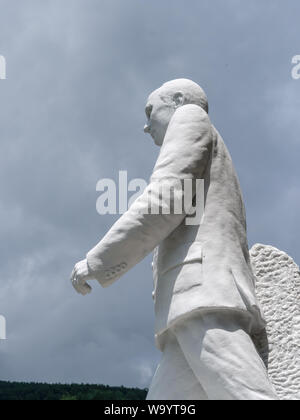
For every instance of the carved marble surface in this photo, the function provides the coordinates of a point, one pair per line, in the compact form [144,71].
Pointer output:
[202,269]
[278,290]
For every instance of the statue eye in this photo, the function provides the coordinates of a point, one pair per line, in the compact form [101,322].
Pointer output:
[149,110]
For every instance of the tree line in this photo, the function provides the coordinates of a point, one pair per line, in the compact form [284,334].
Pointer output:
[20,391]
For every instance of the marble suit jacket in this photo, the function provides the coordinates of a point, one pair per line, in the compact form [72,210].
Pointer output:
[201,267]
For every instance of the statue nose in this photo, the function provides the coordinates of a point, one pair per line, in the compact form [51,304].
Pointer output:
[147,129]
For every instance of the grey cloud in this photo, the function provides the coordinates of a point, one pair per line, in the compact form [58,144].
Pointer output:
[79,72]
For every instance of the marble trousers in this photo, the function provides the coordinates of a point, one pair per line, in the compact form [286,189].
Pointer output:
[210,357]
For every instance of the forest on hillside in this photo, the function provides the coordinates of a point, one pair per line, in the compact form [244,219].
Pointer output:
[18,391]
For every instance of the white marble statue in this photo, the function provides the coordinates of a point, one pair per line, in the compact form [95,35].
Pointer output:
[204,287]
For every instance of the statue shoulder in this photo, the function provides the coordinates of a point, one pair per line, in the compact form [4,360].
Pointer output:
[190,119]
[191,112]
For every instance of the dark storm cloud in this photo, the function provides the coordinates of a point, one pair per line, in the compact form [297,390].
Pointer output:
[79,72]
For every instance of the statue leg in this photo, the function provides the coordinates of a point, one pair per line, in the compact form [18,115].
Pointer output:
[174,379]
[224,358]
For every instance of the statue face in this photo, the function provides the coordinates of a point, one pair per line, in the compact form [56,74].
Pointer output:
[159,112]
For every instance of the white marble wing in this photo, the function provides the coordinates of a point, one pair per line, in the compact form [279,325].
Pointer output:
[278,290]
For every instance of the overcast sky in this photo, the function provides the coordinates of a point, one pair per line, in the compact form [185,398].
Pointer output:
[72,112]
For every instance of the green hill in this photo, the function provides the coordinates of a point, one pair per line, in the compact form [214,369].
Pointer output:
[19,391]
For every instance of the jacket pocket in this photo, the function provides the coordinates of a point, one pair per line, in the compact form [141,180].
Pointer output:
[185,254]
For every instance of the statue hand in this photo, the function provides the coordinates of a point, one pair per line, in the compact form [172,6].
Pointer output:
[79,277]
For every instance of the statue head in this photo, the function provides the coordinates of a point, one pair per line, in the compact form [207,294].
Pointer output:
[163,102]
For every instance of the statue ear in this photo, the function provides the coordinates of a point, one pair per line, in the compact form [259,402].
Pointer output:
[178,98]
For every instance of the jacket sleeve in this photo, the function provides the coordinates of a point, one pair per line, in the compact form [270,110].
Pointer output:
[184,155]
